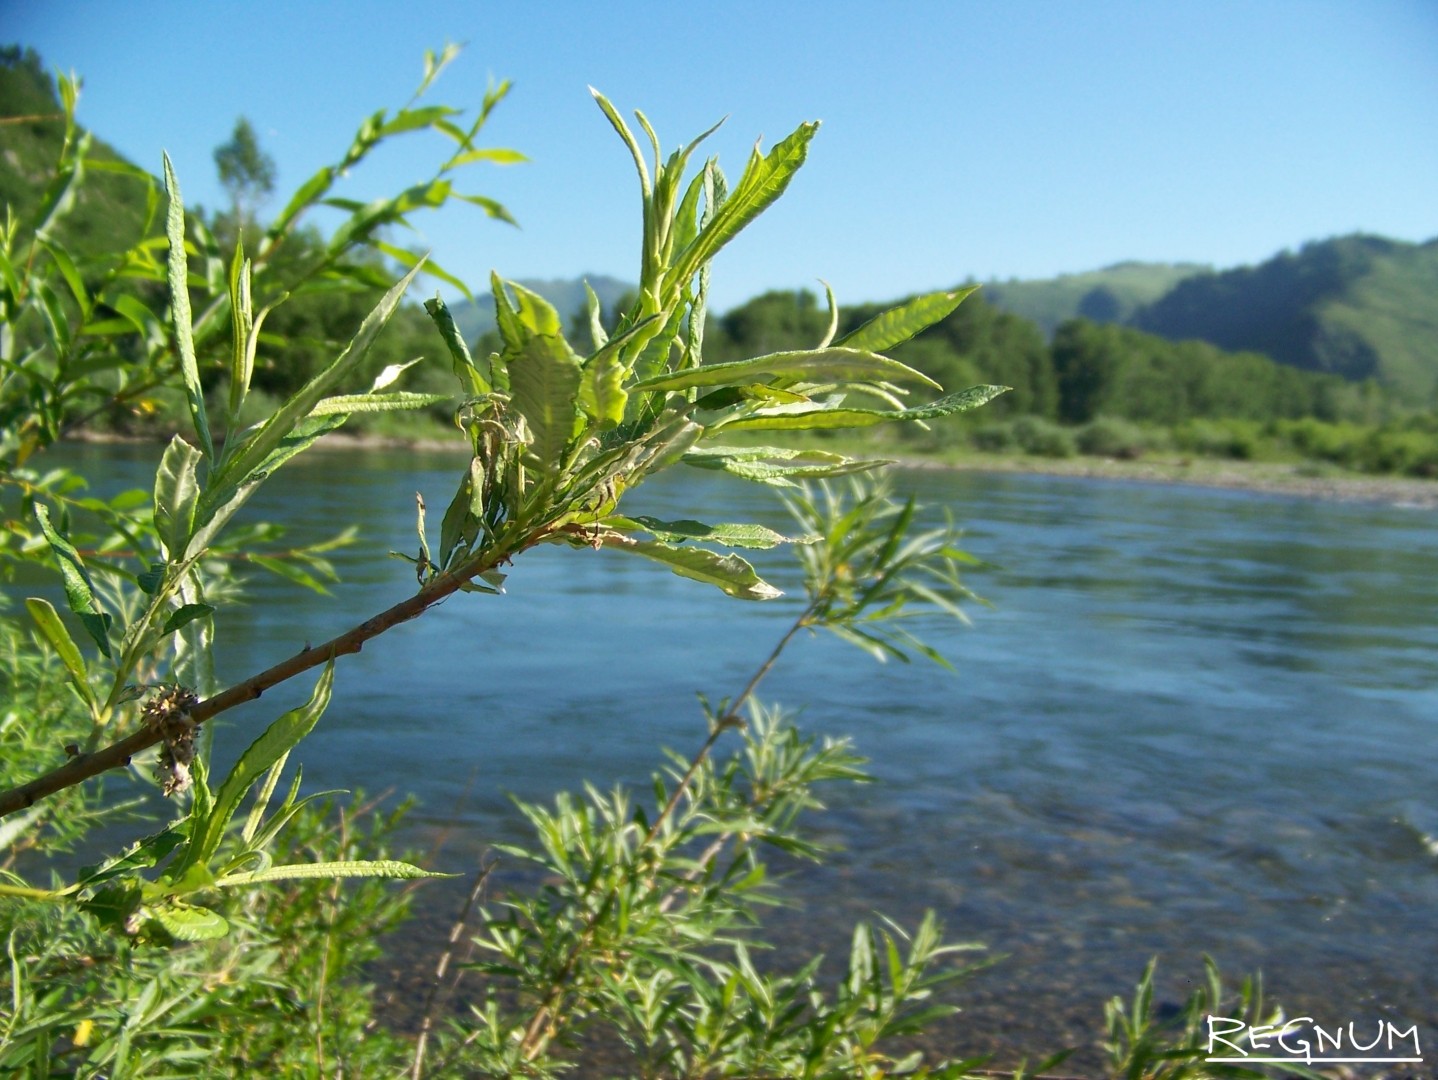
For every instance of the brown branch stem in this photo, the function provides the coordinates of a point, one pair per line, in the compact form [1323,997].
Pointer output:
[117,755]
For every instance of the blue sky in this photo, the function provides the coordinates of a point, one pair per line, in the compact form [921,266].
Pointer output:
[959,140]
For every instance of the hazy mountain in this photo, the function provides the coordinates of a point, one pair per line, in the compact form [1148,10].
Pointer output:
[1112,294]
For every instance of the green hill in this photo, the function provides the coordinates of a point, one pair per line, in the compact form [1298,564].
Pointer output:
[1357,306]
[1112,294]
[110,212]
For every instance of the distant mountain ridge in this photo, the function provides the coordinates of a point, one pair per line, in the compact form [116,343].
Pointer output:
[1112,294]
[1359,306]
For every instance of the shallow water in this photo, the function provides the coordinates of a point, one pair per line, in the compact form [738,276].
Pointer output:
[1194,721]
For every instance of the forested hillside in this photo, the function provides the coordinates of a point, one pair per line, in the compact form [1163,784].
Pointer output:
[1356,306]
[111,208]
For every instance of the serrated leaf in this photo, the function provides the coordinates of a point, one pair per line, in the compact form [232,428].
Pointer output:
[897,325]
[729,573]
[395,401]
[789,475]
[474,380]
[764,180]
[801,419]
[190,923]
[544,376]
[380,868]
[817,365]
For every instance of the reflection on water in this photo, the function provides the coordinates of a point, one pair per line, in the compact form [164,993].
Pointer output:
[1194,721]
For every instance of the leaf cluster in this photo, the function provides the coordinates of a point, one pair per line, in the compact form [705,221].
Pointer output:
[644,932]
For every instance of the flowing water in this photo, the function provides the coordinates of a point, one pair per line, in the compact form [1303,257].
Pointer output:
[1193,722]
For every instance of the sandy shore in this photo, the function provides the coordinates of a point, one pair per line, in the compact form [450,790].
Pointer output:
[1304,480]
[1273,477]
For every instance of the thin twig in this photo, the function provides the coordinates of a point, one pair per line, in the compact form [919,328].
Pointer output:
[454,934]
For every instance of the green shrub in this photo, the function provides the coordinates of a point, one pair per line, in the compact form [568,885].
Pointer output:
[1043,438]
[1113,437]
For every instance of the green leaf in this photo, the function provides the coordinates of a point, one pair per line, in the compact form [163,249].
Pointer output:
[787,475]
[818,365]
[675,532]
[79,591]
[48,620]
[278,739]
[177,494]
[601,393]
[186,922]
[628,136]
[180,310]
[544,379]
[290,572]
[471,378]
[242,339]
[764,180]
[727,572]
[185,613]
[799,419]
[259,446]
[899,324]
[70,273]
[536,313]
[498,155]
[378,868]
[398,401]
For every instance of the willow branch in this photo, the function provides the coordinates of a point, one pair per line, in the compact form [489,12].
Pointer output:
[117,755]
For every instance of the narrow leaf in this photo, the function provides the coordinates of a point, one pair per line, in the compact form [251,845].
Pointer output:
[186,613]
[818,365]
[278,739]
[727,572]
[50,624]
[474,380]
[675,532]
[800,419]
[899,324]
[79,592]
[380,868]
[180,309]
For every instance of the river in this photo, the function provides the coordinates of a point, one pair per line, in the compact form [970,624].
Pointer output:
[1194,721]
